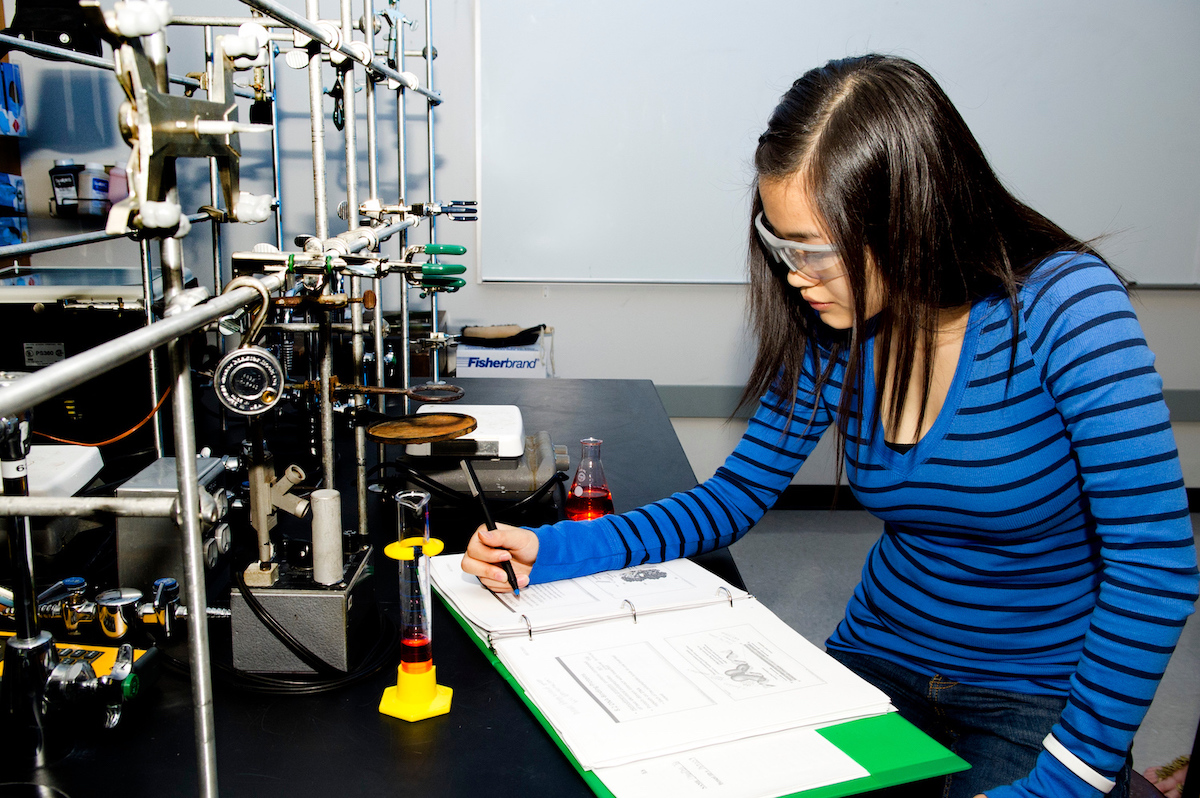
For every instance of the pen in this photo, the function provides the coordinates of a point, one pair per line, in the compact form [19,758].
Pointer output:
[489,522]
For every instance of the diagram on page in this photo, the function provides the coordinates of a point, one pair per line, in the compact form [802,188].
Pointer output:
[640,580]
[741,663]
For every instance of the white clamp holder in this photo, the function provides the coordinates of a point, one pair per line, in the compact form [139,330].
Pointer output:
[407,79]
[248,47]
[133,18]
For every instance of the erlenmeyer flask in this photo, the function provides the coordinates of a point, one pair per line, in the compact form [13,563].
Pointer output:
[589,496]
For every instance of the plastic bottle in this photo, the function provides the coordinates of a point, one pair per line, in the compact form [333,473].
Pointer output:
[63,181]
[589,496]
[118,184]
[93,190]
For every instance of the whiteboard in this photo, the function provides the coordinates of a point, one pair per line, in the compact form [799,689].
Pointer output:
[616,137]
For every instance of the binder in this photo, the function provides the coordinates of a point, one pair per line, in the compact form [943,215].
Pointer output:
[890,749]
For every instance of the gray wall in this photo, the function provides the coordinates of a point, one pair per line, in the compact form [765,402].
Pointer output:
[675,335]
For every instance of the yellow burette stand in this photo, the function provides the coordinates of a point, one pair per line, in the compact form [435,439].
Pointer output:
[417,695]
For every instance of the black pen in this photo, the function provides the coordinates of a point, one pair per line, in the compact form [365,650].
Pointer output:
[489,522]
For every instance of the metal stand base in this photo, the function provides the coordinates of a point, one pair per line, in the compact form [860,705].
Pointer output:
[24,739]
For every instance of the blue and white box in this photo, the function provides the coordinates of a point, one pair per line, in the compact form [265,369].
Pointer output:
[12,105]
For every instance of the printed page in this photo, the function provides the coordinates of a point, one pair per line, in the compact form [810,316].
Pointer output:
[610,594]
[764,766]
[622,692]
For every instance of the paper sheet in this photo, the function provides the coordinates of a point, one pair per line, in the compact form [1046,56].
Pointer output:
[620,692]
[756,767]
[610,594]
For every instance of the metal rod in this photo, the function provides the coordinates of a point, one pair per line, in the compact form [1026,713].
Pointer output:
[148,305]
[405,361]
[307,326]
[365,237]
[323,349]
[20,556]
[325,399]
[357,345]
[78,506]
[48,382]
[65,242]
[373,194]
[223,22]
[434,357]
[316,118]
[326,36]
[171,254]
[53,53]
[214,172]
[275,170]
[368,19]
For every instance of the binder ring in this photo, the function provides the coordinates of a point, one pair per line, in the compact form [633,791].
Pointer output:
[728,595]
[528,626]
[632,609]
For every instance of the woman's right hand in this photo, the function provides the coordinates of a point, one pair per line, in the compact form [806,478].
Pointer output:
[488,548]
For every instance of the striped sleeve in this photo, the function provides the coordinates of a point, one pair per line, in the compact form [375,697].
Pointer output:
[711,515]
[1095,364]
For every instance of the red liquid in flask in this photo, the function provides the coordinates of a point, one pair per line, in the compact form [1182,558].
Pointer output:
[416,654]
[584,504]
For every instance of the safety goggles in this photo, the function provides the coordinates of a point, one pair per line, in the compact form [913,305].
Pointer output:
[818,262]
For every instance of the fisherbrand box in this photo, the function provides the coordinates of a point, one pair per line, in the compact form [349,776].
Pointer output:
[519,361]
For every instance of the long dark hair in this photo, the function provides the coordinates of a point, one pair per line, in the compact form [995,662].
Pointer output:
[903,185]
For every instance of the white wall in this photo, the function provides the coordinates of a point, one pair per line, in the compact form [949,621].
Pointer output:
[671,334]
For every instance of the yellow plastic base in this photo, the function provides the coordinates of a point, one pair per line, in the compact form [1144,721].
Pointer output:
[416,696]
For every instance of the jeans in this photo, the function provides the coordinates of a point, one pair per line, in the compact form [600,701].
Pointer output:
[999,733]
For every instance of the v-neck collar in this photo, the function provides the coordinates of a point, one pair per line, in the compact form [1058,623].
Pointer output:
[905,462]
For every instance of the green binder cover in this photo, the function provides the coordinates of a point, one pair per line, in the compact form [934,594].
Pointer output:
[891,749]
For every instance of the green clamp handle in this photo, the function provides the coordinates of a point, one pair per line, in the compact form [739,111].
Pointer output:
[442,269]
[445,249]
[450,283]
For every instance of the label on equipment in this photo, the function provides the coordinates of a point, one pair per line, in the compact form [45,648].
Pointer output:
[14,469]
[64,189]
[44,354]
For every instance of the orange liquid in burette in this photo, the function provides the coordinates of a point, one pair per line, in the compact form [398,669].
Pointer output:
[584,504]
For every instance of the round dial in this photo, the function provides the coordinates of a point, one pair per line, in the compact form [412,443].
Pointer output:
[249,381]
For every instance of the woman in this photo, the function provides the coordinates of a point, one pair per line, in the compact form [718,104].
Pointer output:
[996,406]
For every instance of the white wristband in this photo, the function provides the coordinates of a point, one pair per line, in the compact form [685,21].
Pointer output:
[1077,766]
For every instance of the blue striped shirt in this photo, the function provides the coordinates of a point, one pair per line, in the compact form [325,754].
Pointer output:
[1036,539]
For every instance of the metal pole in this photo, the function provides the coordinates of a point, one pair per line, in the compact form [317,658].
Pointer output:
[329,36]
[305,326]
[435,355]
[324,352]
[62,54]
[66,242]
[275,180]
[214,173]
[79,506]
[402,156]
[223,22]
[148,306]
[171,262]
[316,118]
[171,253]
[373,193]
[357,344]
